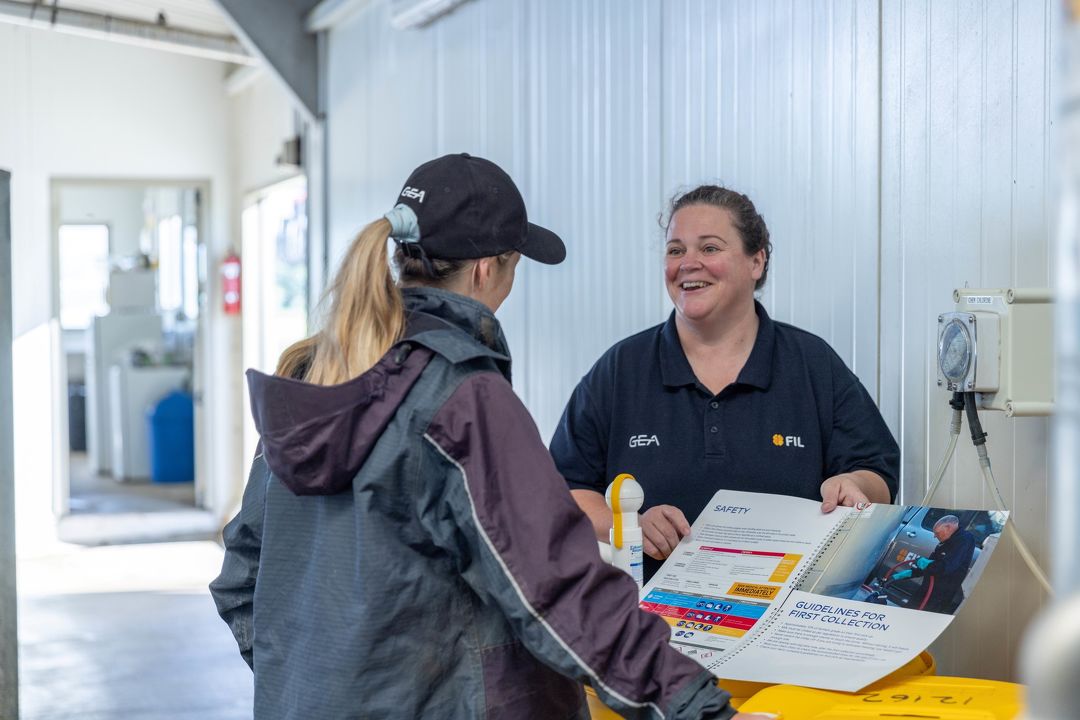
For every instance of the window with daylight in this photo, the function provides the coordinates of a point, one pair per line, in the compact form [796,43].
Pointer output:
[84,274]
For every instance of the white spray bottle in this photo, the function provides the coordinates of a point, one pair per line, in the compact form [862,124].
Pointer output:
[625,497]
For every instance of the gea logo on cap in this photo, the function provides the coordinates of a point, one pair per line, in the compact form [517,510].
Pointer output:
[413,193]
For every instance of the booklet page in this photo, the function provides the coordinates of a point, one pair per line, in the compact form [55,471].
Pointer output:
[767,588]
[742,552]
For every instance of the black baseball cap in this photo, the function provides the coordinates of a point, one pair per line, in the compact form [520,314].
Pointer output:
[468,207]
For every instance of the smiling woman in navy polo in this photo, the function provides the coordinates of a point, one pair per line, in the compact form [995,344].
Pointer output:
[720,395]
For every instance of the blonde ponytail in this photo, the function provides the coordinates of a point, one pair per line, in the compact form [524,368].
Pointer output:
[366,317]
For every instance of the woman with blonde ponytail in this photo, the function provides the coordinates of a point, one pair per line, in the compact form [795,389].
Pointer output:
[366,316]
[405,547]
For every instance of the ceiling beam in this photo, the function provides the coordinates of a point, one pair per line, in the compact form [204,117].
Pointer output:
[127,30]
[277,33]
[328,13]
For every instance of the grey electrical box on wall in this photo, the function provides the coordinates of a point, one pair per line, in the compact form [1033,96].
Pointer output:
[998,344]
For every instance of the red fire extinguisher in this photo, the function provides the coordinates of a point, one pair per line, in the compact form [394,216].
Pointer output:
[230,283]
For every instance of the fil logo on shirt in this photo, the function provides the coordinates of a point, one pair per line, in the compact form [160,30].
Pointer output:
[644,440]
[787,441]
[413,193]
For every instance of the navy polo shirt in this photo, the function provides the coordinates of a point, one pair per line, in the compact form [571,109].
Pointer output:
[795,416]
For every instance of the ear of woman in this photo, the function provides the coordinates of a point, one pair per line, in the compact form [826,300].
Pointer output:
[482,271]
[490,279]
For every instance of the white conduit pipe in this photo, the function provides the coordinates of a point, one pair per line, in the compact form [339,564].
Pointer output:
[954,433]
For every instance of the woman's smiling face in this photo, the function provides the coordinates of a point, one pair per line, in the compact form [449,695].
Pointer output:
[708,274]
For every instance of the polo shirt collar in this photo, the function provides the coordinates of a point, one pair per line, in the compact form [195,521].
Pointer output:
[758,368]
[675,370]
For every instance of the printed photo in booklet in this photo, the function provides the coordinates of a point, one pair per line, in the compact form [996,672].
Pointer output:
[767,588]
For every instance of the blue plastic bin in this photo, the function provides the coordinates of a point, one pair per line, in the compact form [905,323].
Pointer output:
[171,428]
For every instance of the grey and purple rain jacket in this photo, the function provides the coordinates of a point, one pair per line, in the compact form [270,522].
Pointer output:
[407,549]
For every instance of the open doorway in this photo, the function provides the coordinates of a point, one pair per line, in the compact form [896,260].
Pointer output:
[128,289]
[275,291]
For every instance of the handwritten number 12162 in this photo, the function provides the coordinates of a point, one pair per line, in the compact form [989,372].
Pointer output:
[903,698]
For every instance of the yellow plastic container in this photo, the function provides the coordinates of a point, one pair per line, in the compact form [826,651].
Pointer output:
[741,691]
[940,698]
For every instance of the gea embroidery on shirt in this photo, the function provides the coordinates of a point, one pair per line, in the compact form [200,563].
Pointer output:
[787,441]
[644,440]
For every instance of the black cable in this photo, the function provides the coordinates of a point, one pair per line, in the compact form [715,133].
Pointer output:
[978,437]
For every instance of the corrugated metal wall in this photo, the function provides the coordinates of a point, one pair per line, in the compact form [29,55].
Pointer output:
[779,100]
[967,200]
[600,109]
[566,97]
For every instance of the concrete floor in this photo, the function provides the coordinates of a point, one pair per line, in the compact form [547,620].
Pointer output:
[92,493]
[126,632]
[113,626]
[104,511]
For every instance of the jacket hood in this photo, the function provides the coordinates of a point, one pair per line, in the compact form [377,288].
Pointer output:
[315,438]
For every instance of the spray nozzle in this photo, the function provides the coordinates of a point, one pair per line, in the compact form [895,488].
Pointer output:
[625,497]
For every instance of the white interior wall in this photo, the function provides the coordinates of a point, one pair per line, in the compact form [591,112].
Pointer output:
[820,111]
[261,118]
[81,108]
[120,207]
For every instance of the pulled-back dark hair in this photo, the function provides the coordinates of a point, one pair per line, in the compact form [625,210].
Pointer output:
[744,216]
[436,271]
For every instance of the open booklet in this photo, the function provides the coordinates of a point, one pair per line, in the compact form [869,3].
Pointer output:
[767,588]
